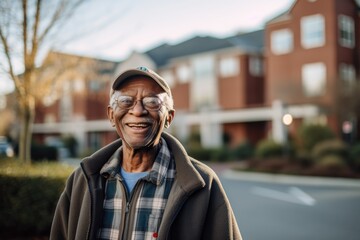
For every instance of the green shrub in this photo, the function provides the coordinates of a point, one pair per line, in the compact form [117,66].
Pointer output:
[268,148]
[28,197]
[310,135]
[40,152]
[199,153]
[194,141]
[243,151]
[333,147]
[355,155]
[331,166]
[304,158]
[43,152]
[222,154]
[71,144]
[331,161]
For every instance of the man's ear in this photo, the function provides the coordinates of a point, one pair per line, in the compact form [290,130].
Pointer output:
[110,113]
[169,118]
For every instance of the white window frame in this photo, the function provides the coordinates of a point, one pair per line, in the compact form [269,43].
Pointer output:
[229,66]
[314,79]
[346,31]
[183,73]
[282,41]
[312,31]
[169,77]
[203,89]
[78,85]
[347,75]
[66,105]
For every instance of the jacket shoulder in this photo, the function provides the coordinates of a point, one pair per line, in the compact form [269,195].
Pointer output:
[204,170]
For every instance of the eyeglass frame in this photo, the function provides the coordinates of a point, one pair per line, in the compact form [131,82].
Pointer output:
[115,100]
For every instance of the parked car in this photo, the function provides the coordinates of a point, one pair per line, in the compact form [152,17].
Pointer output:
[6,149]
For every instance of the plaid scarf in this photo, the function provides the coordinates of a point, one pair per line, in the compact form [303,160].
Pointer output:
[149,196]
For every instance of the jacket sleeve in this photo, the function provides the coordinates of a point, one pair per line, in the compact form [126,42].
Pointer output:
[221,222]
[59,227]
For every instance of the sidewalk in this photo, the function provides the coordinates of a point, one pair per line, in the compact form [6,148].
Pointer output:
[226,170]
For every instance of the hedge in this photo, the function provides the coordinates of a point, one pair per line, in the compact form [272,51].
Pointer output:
[28,197]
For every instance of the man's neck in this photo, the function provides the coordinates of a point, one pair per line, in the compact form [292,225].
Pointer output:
[139,160]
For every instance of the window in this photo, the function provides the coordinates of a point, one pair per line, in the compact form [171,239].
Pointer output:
[346,31]
[281,41]
[256,66]
[314,79]
[347,75]
[94,140]
[183,73]
[49,100]
[95,85]
[204,84]
[312,31]
[229,66]
[169,77]
[78,85]
[65,110]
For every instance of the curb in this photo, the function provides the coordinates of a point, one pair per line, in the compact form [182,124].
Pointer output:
[288,179]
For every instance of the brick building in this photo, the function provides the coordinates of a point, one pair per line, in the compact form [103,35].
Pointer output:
[305,63]
[313,56]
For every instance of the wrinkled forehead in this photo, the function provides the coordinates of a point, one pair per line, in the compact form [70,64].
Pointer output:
[139,83]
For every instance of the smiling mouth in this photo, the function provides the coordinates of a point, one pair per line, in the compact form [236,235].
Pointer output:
[138,125]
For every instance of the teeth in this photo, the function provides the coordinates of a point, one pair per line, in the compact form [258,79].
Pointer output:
[137,125]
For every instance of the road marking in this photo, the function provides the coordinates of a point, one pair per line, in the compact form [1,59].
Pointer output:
[293,195]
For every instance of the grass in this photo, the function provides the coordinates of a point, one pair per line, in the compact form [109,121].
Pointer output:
[14,167]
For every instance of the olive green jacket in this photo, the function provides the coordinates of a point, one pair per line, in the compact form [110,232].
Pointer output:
[197,207]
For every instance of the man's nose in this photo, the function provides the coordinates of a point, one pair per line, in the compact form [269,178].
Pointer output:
[138,108]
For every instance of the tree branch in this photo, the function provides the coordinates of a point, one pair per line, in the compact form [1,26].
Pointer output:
[59,14]
[18,85]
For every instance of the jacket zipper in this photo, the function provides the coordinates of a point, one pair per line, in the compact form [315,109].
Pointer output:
[128,218]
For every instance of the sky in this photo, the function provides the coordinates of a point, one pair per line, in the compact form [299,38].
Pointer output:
[144,24]
[112,29]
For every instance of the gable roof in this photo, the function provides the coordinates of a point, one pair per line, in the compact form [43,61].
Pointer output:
[200,44]
[249,42]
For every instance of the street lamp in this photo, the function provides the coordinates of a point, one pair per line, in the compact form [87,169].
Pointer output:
[287,119]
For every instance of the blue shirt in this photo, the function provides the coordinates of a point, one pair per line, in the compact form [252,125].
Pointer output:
[131,179]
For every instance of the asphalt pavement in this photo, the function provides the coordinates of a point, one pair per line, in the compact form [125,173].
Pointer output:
[227,170]
[283,207]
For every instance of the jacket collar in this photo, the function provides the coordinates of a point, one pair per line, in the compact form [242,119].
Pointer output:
[187,176]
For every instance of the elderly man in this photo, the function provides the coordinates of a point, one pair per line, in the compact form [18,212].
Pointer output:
[144,185]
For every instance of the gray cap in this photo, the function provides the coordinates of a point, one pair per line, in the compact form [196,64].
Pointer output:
[141,71]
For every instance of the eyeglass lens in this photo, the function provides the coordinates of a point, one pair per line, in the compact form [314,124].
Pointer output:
[149,103]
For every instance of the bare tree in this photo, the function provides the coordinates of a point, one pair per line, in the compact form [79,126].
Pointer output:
[25,26]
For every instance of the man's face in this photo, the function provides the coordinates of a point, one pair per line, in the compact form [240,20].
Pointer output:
[137,126]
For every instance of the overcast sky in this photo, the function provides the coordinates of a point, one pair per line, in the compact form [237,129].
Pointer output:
[112,29]
[142,25]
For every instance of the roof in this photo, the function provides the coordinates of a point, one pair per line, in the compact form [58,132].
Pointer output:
[200,44]
[249,42]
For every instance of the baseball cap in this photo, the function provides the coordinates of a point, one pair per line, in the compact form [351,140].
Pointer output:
[141,71]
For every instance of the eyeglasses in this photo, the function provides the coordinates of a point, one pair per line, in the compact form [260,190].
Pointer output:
[149,103]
